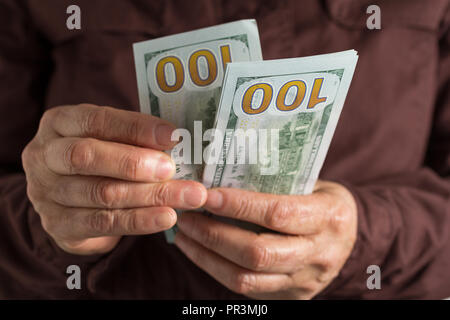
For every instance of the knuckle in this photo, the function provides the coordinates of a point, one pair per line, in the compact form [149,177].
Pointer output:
[307,289]
[244,208]
[160,194]
[277,217]
[328,268]
[107,193]
[79,155]
[244,283]
[325,278]
[260,257]
[33,193]
[129,166]
[36,192]
[102,221]
[46,225]
[25,156]
[133,131]
[126,220]
[211,238]
[50,116]
[31,155]
[41,208]
[94,121]
[339,220]
[327,263]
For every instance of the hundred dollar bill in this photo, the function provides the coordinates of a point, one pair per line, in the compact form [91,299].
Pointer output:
[180,77]
[296,103]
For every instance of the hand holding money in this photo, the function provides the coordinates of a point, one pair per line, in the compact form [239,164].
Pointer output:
[97,173]
[318,234]
[269,236]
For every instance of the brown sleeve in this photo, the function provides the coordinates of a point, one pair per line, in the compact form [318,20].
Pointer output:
[30,263]
[404,220]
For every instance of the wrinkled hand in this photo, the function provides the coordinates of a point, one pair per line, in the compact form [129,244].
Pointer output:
[97,173]
[318,234]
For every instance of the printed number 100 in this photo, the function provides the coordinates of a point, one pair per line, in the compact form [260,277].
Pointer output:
[193,67]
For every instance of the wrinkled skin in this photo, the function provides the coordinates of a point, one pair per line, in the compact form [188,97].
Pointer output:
[318,234]
[95,174]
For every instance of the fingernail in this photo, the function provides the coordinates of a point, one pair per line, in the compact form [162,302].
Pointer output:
[164,169]
[163,134]
[215,199]
[165,220]
[193,197]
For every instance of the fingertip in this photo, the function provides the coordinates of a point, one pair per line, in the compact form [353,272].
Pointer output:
[194,196]
[165,169]
[166,218]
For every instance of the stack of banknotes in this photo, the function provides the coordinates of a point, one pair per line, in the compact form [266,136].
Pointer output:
[245,123]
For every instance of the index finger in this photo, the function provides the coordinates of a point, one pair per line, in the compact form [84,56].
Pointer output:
[291,214]
[110,124]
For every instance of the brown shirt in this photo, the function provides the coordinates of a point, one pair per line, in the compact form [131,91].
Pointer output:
[391,147]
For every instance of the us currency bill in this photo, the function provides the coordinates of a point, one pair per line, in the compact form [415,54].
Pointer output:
[180,77]
[297,103]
